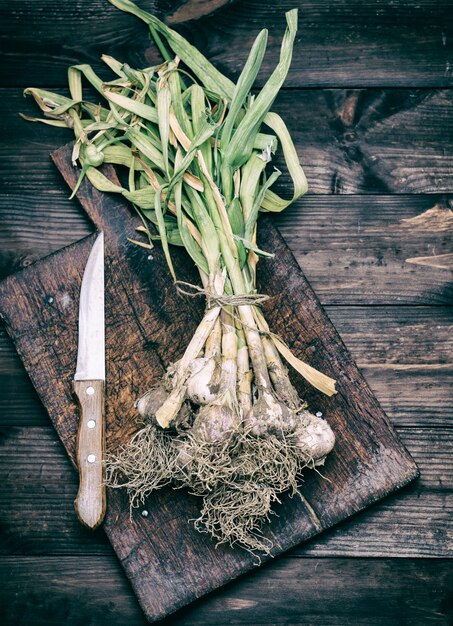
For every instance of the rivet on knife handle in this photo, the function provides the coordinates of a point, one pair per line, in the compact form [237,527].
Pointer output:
[91,498]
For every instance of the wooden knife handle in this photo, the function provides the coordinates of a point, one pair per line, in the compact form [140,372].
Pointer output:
[90,503]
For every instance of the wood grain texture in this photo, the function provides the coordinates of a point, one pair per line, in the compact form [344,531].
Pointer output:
[417,396]
[353,249]
[369,592]
[349,141]
[90,503]
[404,352]
[158,329]
[32,228]
[349,43]
[39,486]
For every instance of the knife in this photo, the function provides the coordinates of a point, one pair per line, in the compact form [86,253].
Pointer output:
[89,381]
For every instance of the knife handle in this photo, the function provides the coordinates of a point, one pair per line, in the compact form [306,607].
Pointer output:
[90,503]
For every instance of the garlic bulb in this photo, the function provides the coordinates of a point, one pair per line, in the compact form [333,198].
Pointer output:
[153,399]
[150,401]
[215,423]
[314,438]
[269,415]
[203,385]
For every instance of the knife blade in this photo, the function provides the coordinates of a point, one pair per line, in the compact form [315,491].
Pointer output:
[89,382]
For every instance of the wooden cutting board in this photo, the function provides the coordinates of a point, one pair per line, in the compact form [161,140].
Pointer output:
[148,326]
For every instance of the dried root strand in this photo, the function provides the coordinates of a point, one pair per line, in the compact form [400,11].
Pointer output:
[146,463]
[236,514]
[204,465]
[272,460]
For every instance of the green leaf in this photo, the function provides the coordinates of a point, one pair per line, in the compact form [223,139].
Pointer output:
[119,154]
[163,233]
[210,242]
[250,246]
[190,244]
[163,112]
[236,218]
[144,198]
[244,84]
[95,111]
[90,75]
[199,65]
[101,182]
[198,108]
[266,142]
[133,106]
[114,65]
[91,126]
[271,201]
[250,177]
[174,237]
[75,84]
[59,123]
[187,238]
[47,100]
[177,102]
[144,144]
[251,219]
[239,149]
[205,132]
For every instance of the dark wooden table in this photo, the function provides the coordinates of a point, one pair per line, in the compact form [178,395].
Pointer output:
[368,103]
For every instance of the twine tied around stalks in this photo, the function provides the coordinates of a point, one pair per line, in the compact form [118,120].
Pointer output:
[316,378]
[221,300]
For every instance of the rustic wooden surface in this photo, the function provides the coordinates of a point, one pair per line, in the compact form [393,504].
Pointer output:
[346,43]
[350,141]
[147,327]
[396,318]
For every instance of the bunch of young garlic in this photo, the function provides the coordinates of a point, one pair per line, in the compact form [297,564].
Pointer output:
[226,420]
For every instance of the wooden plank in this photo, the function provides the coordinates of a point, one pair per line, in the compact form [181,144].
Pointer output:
[354,249]
[416,524]
[378,141]
[39,485]
[348,43]
[403,352]
[33,226]
[349,141]
[413,395]
[366,239]
[157,319]
[396,335]
[410,396]
[300,592]
[387,335]
[70,591]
